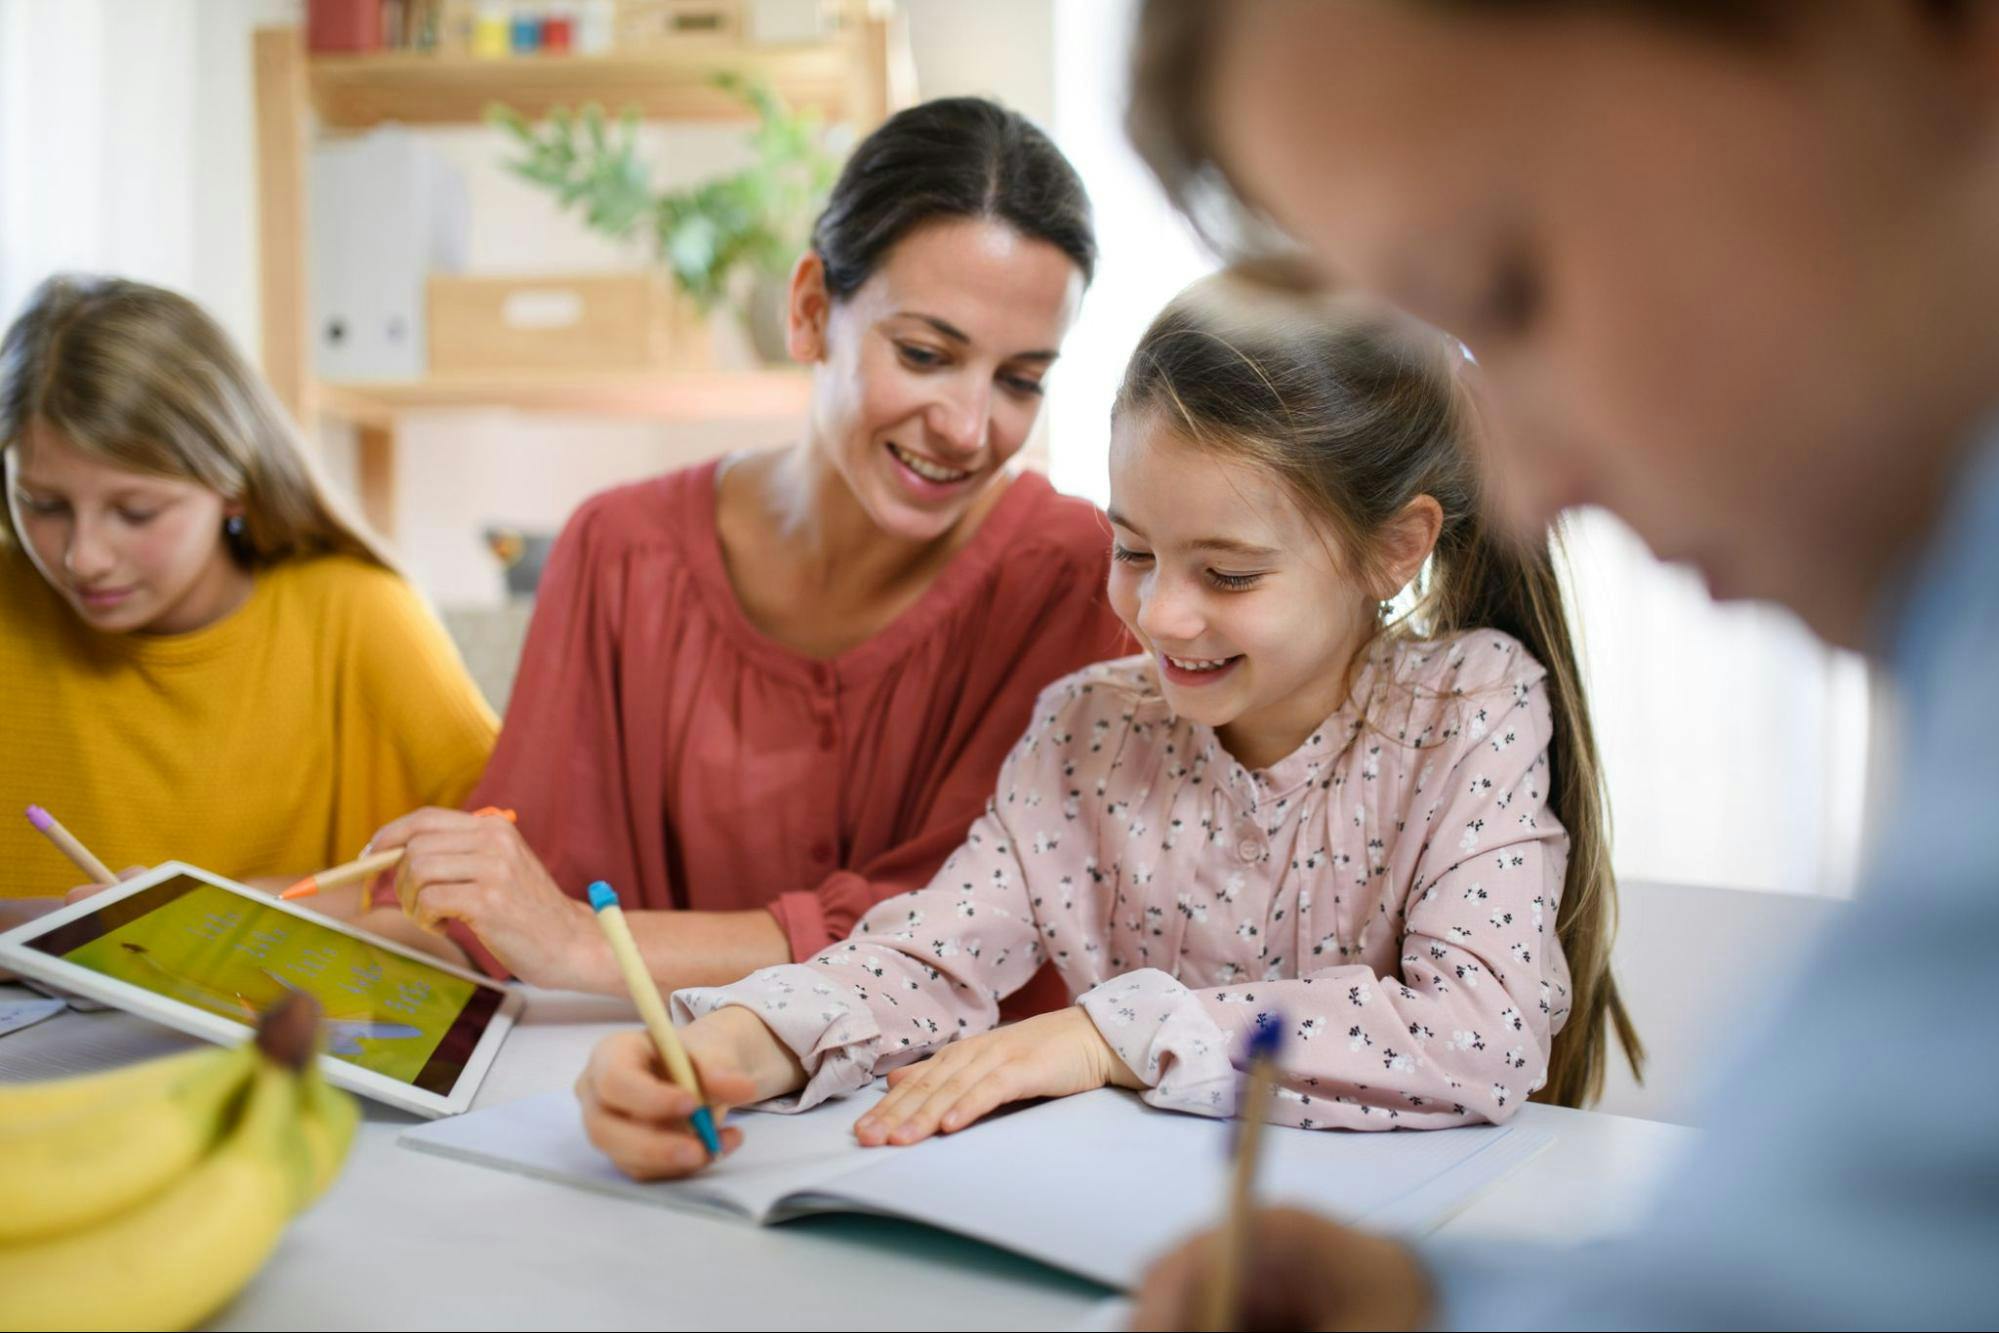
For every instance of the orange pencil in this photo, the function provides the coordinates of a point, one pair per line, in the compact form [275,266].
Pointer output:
[364,867]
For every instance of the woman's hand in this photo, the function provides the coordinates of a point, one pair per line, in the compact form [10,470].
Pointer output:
[1050,1055]
[463,867]
[639,1118]
[1302,1272]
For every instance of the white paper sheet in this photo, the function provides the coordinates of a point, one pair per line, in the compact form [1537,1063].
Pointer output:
[543,1136]
[1111,1316]
[1100,1184]
[75,1043]
[18,1014]
[1097,1184]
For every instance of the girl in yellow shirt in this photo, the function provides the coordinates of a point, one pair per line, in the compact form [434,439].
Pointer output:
[202,657]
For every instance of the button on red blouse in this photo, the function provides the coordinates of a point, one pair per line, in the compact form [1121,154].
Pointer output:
[656,739]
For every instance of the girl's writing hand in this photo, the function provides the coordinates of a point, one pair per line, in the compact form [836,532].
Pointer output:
[1049,1055]
[1303,1271]
[464,867]
[638,1117]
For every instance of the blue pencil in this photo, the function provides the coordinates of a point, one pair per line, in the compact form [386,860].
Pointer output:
[1259,1085]
[604,900]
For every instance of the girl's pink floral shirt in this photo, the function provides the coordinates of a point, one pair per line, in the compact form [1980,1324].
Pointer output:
[1389,890]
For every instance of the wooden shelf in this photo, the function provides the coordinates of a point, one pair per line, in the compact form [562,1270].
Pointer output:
[855,77]
[355,92]
[755,395]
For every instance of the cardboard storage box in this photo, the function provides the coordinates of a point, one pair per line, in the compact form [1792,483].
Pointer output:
[594,322]
[648,25]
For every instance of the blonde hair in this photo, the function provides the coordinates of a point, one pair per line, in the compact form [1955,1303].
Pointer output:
[1359,410]
[145,380]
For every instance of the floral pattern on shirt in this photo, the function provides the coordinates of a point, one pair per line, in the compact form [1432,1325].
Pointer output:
[1390,889]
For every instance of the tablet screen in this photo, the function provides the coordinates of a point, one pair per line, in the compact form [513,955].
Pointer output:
[235,956]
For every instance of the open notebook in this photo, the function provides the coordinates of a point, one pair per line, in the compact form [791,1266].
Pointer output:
[1097,1184]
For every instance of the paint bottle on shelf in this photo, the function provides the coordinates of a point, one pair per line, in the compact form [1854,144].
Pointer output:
[594,28]
[558,30]
[345,26]
[526,31]
[489,31]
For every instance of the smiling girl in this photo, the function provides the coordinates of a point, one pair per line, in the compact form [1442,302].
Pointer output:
[206,659]
[1385,828]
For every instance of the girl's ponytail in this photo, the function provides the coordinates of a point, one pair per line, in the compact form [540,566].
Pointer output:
[1483,580]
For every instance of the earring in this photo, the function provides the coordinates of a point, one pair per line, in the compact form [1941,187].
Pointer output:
[233,525]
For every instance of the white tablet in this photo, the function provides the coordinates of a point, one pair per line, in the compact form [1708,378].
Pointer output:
[196,952]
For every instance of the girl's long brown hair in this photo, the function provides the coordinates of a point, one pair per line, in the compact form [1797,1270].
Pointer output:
[142,378]
[1360,411]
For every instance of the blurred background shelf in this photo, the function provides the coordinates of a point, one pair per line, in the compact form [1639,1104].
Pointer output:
[357,92]
[854,76]
[704,396]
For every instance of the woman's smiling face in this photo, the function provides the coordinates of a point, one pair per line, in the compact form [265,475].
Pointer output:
[931,371]
[1241,599]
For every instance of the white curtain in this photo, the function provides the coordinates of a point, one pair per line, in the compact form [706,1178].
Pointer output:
[1147,252]
[127,146]
[1735,746]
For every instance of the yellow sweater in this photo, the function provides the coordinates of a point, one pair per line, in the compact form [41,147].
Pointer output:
[273,742]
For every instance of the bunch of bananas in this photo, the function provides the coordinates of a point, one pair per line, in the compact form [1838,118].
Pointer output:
[147,1196]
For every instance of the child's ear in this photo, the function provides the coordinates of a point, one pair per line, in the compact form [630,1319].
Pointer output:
[807,310]
[1404,542]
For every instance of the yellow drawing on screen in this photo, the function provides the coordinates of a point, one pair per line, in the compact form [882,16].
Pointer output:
[236,958]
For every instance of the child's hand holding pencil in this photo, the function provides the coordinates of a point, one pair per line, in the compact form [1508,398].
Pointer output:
[1301,1271]
[653,1101]
[1278,1268]
[642,1120]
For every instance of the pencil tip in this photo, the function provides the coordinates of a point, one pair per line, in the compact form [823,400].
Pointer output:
[1267,1038]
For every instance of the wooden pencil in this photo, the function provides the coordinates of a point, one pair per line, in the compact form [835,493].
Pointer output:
[1224,1288]
[365,867]
[66,842]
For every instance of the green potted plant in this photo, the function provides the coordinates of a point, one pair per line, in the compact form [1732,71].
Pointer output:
[729,241]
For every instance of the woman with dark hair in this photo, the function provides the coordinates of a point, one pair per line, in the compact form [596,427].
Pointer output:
[761,694]
[1731,269]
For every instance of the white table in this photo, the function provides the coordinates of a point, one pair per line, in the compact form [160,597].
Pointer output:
[410,1240]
